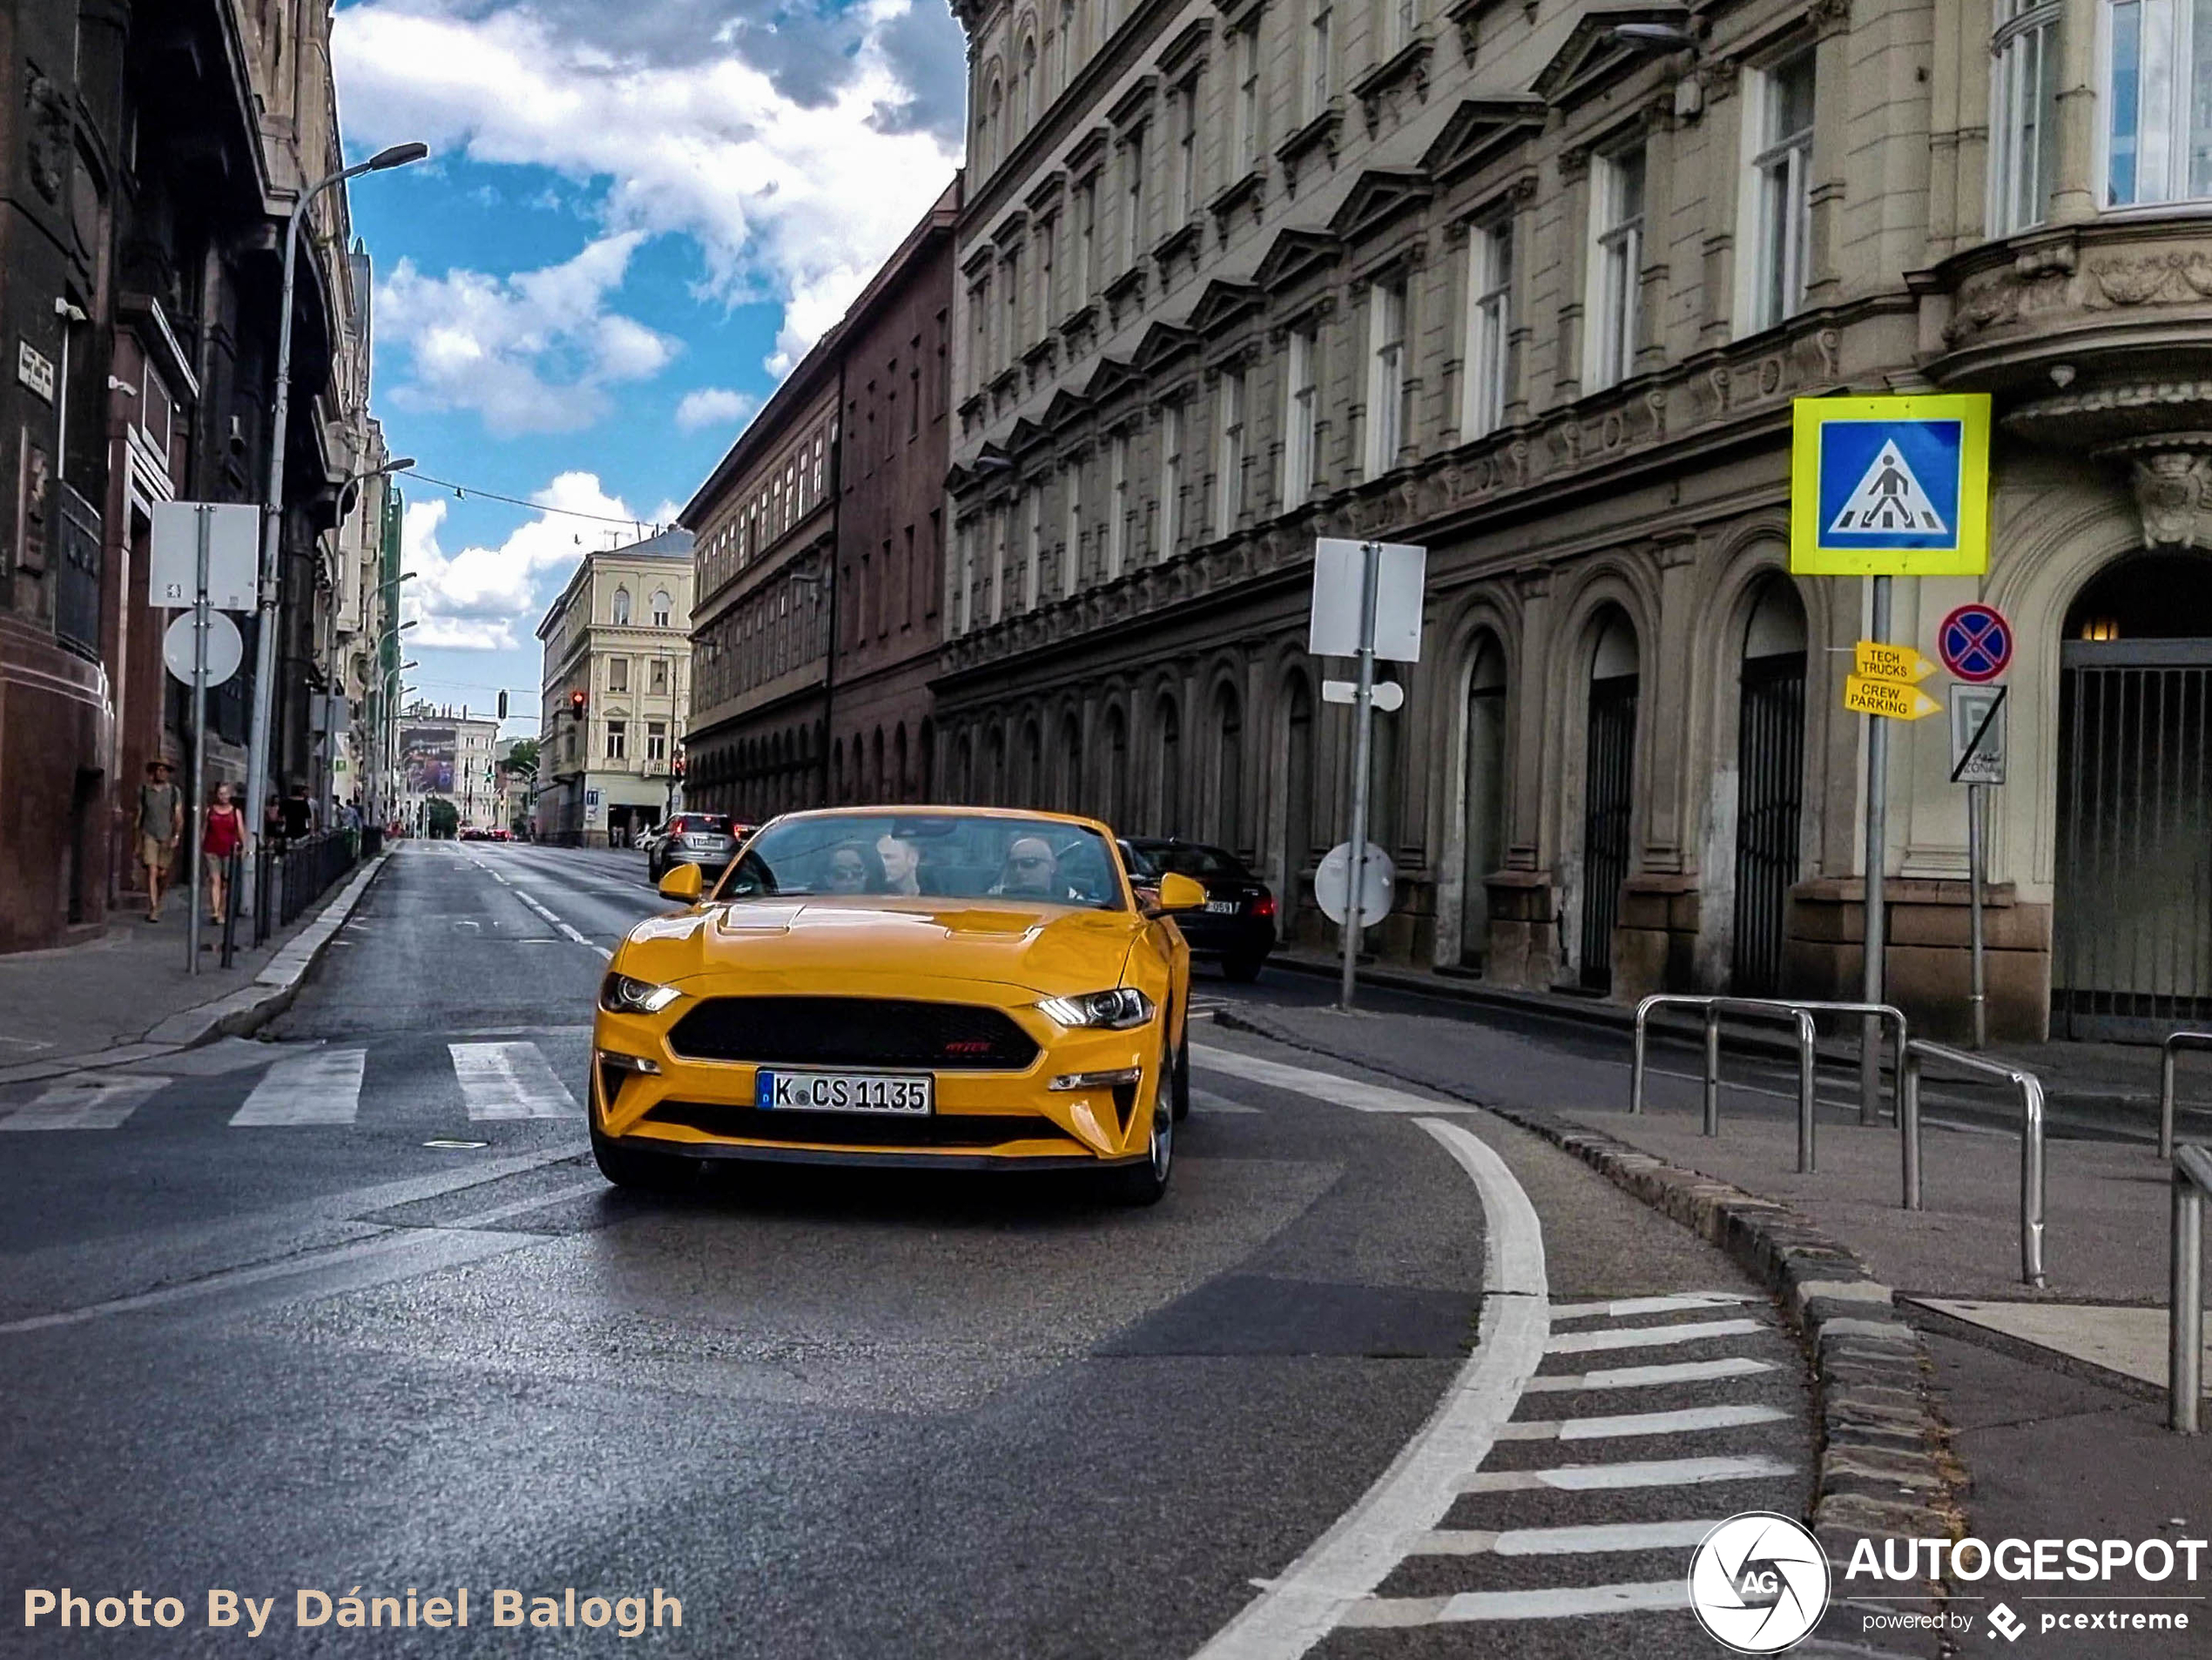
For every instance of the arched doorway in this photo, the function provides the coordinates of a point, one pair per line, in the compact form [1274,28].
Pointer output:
[1297,818]
[1028,790]
[1770,783]
[2132,935]
[1485,812]
[995,767]
[1608,783]
[1168,821]
[1068,796]
[1117,801]
[1228,766]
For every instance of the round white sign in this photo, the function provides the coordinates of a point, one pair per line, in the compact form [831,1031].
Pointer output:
[1332,883]
[1759,1582]
[225,650]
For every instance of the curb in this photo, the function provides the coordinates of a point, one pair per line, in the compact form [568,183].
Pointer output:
[1885,1465]
[241,1012]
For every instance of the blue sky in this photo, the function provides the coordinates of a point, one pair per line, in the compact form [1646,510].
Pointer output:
[635,219]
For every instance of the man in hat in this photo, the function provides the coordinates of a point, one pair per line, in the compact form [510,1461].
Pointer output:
[161,820]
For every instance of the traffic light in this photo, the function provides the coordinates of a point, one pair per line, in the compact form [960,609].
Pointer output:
[679,763]
[577,701]
[502,706]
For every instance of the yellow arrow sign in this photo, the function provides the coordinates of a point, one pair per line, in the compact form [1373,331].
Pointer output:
[1879,662]
[1894,698]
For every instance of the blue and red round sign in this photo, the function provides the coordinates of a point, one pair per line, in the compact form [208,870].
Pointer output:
[1975,642]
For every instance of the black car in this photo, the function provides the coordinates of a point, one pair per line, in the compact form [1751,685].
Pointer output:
[1237,924]
[706,839]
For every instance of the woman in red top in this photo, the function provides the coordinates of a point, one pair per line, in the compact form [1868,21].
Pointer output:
[225,835]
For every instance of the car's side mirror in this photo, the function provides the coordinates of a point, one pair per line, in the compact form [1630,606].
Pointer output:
[1181,893]
[683,884]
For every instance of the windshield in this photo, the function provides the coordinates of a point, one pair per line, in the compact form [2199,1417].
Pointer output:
[1153,859]
[947,856]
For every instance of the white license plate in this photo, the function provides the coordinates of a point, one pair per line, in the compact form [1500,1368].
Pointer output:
[1221,908]
[903,1094]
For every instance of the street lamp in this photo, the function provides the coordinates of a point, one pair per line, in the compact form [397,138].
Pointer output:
[256,754]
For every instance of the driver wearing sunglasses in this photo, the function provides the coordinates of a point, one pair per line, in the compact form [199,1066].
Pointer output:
[1031,871]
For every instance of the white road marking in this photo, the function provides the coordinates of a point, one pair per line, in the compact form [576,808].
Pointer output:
[1650,1337]
[1667,1305]
[322,1087]
[1651,1377]
[1340,1569]
[567,933]
[1207,1101]
[82,1100]
[1560,1541]
[501,1080]
[1596,1478]
[1322,1086]
[1563,1603]
[1689,1421]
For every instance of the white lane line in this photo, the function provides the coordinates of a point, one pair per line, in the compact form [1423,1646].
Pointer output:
[1207,1101]
[1650,1337]
[1563,1603]
[1666,1305]
[1340,1569]
[1560,1541]
[1599,1478]
[323,1087]
[499,1081]
[1687,1421]
[1322,1086]
[1651,1377]
[84,1102]
[567,933]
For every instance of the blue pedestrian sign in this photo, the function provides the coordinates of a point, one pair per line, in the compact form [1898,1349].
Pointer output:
[1889,486]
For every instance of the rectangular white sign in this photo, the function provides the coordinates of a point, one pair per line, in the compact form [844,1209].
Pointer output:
[234,555]
[1978,719]
[1401,573]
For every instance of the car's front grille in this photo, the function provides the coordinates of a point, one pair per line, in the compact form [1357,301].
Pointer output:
[854,1033]
[860,1129]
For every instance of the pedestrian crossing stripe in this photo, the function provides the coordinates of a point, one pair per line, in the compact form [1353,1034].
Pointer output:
[1889,497]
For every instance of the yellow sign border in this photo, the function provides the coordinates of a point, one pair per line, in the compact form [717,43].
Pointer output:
[1969,558]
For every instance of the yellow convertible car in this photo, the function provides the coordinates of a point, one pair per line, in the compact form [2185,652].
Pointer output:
[941,986]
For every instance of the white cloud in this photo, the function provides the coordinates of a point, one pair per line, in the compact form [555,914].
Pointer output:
[480,598]
[797,193]
[713,406]
[530,353]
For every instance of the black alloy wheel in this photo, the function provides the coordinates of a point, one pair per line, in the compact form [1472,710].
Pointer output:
[1144,1183]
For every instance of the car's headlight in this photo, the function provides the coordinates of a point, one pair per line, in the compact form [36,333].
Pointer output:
[1116,1010]
[620,995]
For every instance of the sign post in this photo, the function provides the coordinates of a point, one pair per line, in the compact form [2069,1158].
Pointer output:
[1885,487]
[1977,761]
[1390,578]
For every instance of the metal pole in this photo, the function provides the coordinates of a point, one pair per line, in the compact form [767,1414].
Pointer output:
[1908,1121]
[1712,1070]
[1978,999]
[1363,711]
[1877,767]
[201,525]
[2165,1101]
[1807,1077]
[1635,1060]
[2031,1186]
[2185,1307]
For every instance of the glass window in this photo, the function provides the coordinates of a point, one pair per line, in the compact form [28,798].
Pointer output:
[661,610]
[1029,861]
[1781,186]
[1133,201]
[1186,159]
[1317,69]
[1033,551]
[659,678]
[656,740]
[1301,416]
[1385,374]
[1118,508]
[1489,343]
[618,674]
[1244,138]
[1228,480]
[1153,858]
[1616,219]
[622,606]
[618,739]
[1171,479]
[1071,549]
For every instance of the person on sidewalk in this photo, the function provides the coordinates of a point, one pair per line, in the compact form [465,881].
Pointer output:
[226,835]
[273,822]
[161,820]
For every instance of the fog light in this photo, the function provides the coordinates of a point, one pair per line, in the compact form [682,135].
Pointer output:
[1115,1079]
[629,1063]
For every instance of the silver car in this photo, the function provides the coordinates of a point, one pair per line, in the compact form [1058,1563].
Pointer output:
[707,840]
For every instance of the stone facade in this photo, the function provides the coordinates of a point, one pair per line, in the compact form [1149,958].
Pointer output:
[1497,280]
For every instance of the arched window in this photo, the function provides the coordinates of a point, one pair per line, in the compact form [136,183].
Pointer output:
[1116,780]
[1485,820]
[661,611]
[1169,820]
[1609,781]
[994,148]
[1065,41]
[1228,766]
[622,607]
[1029,84]
[901,790]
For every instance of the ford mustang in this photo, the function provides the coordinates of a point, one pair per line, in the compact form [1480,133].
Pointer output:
[941,986]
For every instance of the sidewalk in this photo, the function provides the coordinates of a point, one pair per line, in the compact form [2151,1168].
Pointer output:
[128,996]
[2048,1406]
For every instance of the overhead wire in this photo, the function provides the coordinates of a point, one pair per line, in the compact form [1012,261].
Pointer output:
[464,491]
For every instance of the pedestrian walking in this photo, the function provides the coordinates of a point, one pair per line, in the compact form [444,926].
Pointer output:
[161,820]
[225,836]
[272,823]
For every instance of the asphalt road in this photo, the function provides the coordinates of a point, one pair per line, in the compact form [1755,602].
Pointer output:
[350,1308]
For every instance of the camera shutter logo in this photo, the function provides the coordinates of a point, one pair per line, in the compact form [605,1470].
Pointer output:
[1759,1582]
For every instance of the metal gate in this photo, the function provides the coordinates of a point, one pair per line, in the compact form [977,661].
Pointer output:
[2131,950]
[1771,752]
[1608,778]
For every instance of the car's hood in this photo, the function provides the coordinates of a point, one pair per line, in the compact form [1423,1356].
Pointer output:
[820,944]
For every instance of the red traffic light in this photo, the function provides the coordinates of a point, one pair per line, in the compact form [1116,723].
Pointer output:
[679,764]
[577,701]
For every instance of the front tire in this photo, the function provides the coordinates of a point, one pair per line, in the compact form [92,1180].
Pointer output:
[1244,966]
[1180,1080]
[651,1172]
[1144,1183]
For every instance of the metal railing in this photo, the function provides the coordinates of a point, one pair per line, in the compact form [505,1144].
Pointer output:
[2174,1042]
[1768,1007]
[288,878]
[2032,1183]
[2185,1306]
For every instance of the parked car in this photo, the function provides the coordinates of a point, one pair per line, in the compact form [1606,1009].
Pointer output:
[1237,924]
[707,840]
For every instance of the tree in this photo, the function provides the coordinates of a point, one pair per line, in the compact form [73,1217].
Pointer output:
[440,817]
[523,758]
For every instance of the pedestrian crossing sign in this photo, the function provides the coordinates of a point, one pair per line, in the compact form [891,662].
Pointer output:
[1889,486]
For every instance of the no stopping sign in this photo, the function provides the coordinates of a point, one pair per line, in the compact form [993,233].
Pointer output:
[1975,642]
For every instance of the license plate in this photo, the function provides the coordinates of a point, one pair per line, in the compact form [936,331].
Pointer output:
[1221,908]
[903,1094]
